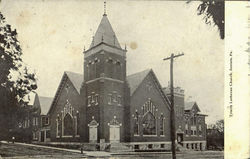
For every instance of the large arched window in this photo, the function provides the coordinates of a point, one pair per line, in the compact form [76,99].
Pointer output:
[149,124]
[68,125]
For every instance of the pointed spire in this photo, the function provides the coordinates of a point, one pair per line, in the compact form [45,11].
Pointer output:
[104,14]
[125,46]
[106,34]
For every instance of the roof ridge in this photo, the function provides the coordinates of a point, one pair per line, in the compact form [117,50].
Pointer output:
[149,69]
[75,78]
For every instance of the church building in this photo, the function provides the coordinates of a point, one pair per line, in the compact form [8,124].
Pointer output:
[105,105]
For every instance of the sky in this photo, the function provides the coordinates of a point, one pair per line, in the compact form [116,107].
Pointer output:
[54,33]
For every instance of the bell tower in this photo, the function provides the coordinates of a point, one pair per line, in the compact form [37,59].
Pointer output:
[105,88]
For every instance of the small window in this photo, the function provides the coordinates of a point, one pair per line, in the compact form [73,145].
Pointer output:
[47,134]
[118,63]
[136,147]
[46,121]
[92,98]
[162,145]
[150,146]
[194,120]
[96,99]
[119,100]
[34,121]
[89,101]
[114,97]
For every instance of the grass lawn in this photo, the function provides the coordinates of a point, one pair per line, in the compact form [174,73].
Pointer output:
[24,152]
[11,150]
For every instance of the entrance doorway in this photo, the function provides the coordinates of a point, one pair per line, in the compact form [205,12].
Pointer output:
[114,134]
[93,130]
[114,131]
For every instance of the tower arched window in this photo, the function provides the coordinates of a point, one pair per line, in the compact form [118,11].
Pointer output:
[110,67]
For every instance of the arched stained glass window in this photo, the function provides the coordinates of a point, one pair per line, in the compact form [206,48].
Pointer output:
[149,124]
[68,125]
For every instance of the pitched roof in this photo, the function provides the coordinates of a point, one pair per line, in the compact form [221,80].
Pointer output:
[189,105]
[76,79]
[105,34]
[135,79]
[45,103]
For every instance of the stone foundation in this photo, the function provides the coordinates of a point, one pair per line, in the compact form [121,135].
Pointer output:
[195,145]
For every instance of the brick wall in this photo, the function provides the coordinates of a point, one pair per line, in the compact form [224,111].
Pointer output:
[74,99]
[138,99]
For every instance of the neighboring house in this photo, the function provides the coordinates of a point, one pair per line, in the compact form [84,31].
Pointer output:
[29,127]
[36,121]
[195,127]
[190,123]
[44,131]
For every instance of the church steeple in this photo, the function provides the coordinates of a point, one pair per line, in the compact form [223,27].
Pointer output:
[105,34]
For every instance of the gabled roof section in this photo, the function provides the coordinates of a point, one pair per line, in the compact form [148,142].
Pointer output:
[45,103]
[135,79]
[76,79]
[190,105]
[105,34]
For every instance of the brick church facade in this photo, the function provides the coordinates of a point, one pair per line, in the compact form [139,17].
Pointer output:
[106,105]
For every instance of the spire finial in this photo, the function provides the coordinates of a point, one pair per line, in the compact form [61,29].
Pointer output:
[105,8]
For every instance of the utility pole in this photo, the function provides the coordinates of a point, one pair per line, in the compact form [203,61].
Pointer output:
[172,112]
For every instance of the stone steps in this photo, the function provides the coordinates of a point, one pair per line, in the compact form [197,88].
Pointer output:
[121,147]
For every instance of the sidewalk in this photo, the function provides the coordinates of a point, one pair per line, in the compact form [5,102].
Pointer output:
[85,153]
